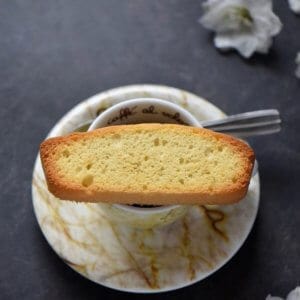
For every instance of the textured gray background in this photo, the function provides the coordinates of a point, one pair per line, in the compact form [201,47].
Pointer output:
[53,54]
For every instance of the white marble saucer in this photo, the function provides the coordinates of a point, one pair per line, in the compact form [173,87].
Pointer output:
[135,260]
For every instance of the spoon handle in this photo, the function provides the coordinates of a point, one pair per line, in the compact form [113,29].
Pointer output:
[247,124]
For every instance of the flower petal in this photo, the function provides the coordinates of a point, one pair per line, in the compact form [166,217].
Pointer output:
[295,6]
[294,294]
[245,46]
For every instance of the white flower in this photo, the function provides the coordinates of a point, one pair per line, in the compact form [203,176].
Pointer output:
[246,25]
[295,6]
[297,73]
[293,295]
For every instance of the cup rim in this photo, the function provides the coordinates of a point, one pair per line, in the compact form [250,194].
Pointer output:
[110,110]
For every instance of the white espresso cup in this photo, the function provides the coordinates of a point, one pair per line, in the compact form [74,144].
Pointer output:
[144,110]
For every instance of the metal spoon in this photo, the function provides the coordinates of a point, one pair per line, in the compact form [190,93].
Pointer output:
[247,124]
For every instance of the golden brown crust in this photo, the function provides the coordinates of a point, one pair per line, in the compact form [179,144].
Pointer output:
[65,189]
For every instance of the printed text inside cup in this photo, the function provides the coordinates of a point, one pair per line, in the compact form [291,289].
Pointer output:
[127,112]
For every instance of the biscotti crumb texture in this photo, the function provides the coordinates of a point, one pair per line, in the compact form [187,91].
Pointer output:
[155,164]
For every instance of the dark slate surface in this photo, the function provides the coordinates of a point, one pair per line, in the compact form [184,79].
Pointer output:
[53,54]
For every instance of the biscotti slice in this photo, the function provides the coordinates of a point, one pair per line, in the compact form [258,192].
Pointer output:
[153,164]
